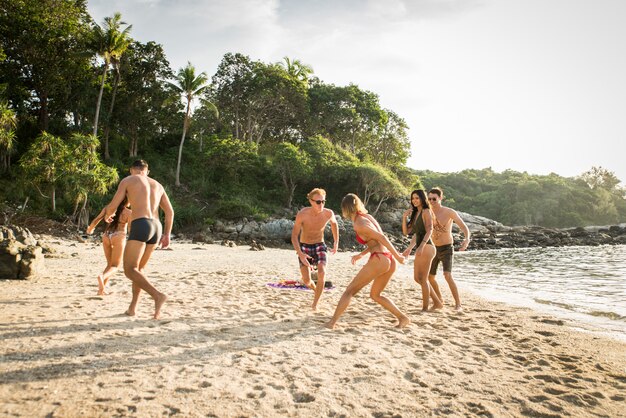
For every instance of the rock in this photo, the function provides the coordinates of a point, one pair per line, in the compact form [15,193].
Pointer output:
[277,229]
[229,243]
[255,246]
[20,255]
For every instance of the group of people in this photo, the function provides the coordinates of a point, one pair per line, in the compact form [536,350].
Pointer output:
[427,220]
[134,211]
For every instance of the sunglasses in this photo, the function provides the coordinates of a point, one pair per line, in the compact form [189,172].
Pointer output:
[319,202]
[432,199]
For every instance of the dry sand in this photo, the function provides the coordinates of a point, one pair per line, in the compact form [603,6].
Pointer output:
[229,346]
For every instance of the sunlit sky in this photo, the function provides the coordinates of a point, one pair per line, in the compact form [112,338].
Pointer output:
[528,85]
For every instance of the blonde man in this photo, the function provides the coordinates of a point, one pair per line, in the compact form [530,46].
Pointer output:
[307,238]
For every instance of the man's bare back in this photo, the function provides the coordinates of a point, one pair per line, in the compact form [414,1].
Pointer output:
[144,195]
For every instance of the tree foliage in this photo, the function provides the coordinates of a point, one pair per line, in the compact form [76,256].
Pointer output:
[280,131]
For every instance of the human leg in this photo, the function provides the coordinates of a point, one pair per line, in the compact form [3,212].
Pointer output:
[432,275]
[434,286]
[319,286]
[447,259]
[117,244]
[305,273]
[455,291]
[378,286]
[133,255]
[136,289]
[421,267]
[363,277]
[106,247]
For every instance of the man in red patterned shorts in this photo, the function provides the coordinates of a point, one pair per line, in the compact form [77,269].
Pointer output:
[307,238]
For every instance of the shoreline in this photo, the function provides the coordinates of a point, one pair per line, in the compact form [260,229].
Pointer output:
[228,345]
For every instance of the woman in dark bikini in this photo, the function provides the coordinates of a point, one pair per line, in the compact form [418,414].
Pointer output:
[380,266]
[421,223]
[113,241]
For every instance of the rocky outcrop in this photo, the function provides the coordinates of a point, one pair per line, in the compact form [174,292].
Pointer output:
[486,233]
[21,257]
[536,236]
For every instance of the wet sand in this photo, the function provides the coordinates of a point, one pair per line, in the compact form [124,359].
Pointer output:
[228,345]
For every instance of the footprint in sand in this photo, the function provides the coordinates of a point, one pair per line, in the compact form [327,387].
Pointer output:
[303,397]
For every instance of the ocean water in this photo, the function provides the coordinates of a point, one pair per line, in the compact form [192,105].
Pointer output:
[585,286]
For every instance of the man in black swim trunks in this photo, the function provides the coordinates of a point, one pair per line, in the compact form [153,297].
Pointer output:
[443,240]
[307,238]
[145,196]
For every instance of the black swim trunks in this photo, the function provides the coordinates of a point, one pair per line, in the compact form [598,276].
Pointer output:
[145,230]
[316,251]
[445,255]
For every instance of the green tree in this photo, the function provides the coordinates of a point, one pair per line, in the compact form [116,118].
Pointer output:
[292,166]
[83,173]
[599,177]
[379,184]
[45,43]
[147,107]
[189,85]
[297,70]
[8,123]
[259,102]
[43,165]
[111,43]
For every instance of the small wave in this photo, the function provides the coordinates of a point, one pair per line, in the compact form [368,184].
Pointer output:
[610,315]
[559,304]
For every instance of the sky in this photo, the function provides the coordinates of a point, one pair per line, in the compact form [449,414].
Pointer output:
[528,85]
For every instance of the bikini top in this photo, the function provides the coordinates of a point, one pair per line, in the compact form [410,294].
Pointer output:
[358,238]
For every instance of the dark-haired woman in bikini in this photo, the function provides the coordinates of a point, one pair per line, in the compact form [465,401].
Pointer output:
[380,266]
[113,241]
[421,223]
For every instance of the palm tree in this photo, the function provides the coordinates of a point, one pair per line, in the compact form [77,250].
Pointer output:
[189,85]
[112,43]
[296,69]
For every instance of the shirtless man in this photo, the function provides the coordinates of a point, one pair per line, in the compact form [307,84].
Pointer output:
[307,238]
[442,238]
[145,196]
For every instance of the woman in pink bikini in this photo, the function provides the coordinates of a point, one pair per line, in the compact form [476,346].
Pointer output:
[379,267]
[113,241]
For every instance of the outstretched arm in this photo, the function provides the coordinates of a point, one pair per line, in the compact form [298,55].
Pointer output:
[96,221]
[466,232]
[166,205]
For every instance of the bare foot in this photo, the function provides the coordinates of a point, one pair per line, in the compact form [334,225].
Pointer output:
[330,325]
[158,303]
[100,285]
[403,322]
[458,308]
[314,307]
[436,307]
[130,312]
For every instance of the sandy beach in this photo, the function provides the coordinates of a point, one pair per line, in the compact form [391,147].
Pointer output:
[228,345]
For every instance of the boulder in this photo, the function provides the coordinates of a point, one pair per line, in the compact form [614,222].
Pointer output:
[20,255]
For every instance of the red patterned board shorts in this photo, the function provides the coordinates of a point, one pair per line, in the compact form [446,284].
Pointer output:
[316,251]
